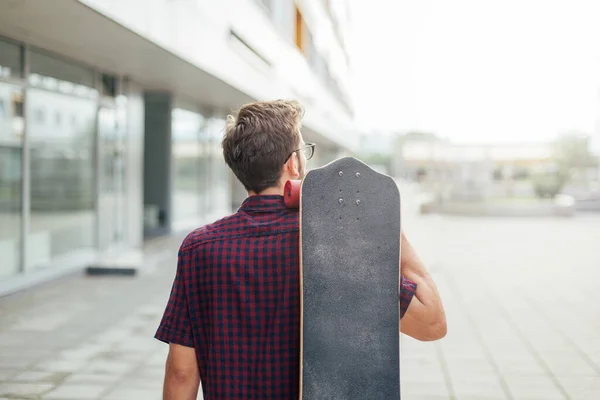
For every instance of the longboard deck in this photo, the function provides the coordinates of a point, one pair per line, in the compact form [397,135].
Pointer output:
[350,265]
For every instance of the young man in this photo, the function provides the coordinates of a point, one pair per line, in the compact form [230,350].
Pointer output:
[233,317]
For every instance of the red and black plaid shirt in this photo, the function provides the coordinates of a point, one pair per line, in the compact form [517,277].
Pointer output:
[236,300]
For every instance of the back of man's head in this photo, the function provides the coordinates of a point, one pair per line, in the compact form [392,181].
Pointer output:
[259,140]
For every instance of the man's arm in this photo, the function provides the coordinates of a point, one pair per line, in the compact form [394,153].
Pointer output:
[425,318]
[181,374]
[181,370]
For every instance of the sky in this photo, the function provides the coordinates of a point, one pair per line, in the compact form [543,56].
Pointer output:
[477,70]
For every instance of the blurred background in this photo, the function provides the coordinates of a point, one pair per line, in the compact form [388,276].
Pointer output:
[485,112]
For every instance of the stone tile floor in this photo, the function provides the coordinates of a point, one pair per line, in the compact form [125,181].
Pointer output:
[522,298]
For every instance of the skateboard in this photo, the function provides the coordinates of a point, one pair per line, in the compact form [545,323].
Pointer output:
[350,273]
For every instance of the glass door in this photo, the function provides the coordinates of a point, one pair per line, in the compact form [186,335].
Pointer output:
[11,152]
[111,152]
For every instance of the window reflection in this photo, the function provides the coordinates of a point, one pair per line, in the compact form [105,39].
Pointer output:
[186,127]
[11,135]
[62,175]
[200,175]
[219,171]
[11,59]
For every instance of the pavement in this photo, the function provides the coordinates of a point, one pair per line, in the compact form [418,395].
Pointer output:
[522,298]
[88,337]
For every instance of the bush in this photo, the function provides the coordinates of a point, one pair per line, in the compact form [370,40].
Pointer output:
[547,186]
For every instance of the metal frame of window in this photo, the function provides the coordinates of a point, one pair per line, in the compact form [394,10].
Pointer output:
[25,167]
[21,83]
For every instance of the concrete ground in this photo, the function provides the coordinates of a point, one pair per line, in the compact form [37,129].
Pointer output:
[522,298]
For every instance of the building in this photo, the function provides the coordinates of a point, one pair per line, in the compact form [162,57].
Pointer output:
[472,172]
[111,115]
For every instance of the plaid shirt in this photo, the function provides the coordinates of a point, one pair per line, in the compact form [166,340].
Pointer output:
[236,300]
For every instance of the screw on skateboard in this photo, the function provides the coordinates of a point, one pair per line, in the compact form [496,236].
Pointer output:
[350,272]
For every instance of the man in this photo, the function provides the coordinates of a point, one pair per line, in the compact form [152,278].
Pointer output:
[233,317]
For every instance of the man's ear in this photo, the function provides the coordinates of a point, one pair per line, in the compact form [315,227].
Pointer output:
[293,166]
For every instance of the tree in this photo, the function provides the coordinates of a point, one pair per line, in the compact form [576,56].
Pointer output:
[571,152]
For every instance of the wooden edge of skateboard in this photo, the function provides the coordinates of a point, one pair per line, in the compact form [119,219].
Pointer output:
[301,291]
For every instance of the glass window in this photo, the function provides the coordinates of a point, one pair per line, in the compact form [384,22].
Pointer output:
[219,171]
[48,66]
[11,60]
[267,4]
[62,176]
[283,15]
[11,150]
[38,115]
[112,169]
[53,73]
[186,127]
[205,171]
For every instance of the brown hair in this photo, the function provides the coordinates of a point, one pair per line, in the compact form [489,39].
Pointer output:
[259,140]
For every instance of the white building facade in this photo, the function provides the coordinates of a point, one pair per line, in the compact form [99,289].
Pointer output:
[111,115]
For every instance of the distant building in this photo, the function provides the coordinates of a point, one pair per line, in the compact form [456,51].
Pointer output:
[376,143]
[472,171]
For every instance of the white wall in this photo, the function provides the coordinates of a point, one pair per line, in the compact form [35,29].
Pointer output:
[198,31]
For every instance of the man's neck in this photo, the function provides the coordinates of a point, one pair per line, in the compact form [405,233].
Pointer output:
[268,191]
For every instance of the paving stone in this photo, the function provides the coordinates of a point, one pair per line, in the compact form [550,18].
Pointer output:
[534,388]
[41,323]
[470,366]
[582,387]
[76,392]
[139,345]
[478,389]
[61,365]
[26,390]
[15,362]
[5,374]
[412,388]
[24,351]
[139,382]
[465,379]
[82,377]
[526,366]
[414,396]
[149,372]
[570,365]
[108,367]
[37,376]
[85,352]
[126,393]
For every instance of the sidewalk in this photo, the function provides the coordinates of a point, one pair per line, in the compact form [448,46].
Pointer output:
[523,305]
[88,337]
[522,299]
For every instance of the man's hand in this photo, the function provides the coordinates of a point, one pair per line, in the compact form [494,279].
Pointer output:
[425,318]
[181,374]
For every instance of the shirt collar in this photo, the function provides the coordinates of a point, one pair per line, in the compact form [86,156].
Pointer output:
[272,202]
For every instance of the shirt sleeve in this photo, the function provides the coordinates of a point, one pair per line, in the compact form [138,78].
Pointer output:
[407,291]
[175,324]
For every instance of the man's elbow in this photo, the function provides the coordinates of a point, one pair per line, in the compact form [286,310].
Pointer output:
[434,331]
[425,327]
[180,371]
[181,375]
